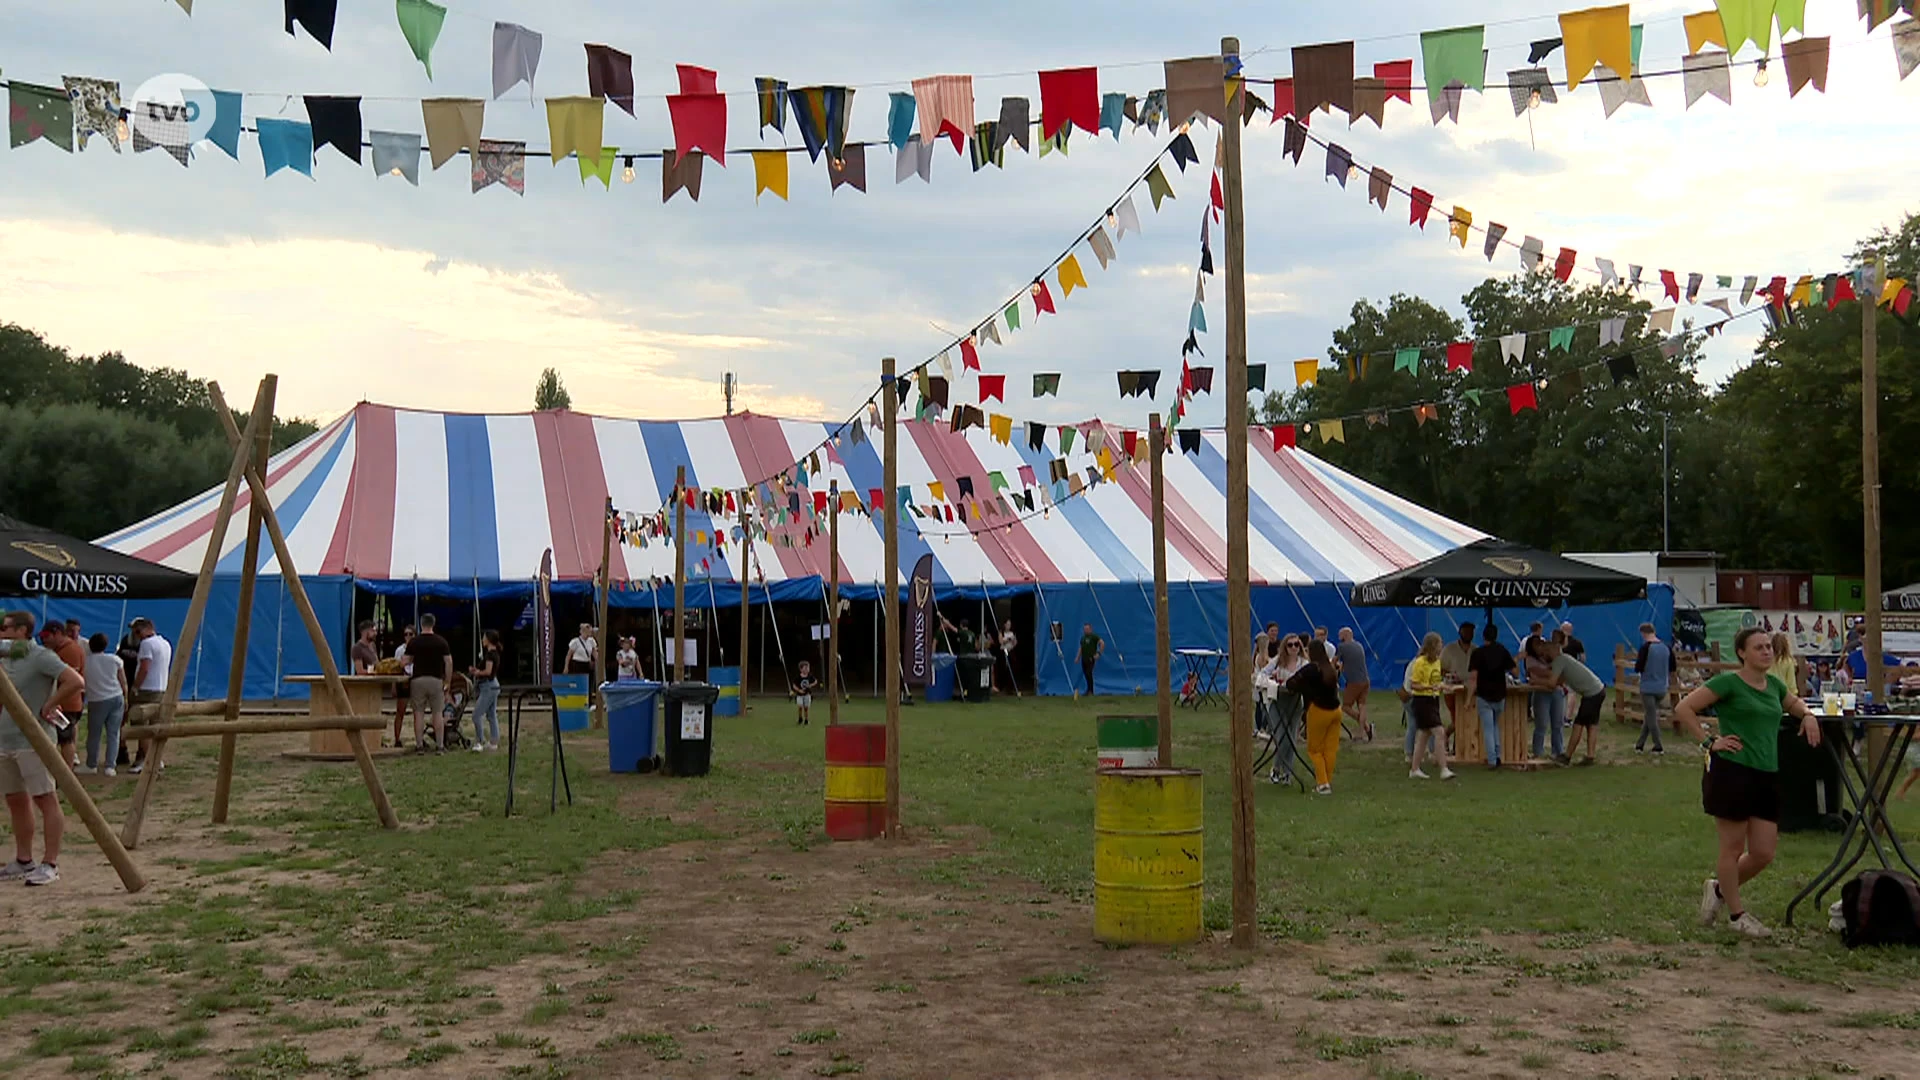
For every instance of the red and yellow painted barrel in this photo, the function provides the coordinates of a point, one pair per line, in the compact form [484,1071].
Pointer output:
[856,781]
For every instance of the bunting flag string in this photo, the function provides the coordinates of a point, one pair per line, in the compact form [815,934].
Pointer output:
[1531,250]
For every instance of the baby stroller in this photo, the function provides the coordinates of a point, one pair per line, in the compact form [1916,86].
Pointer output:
[459,697]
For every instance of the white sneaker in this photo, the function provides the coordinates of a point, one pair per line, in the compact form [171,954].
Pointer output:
[15,870]
[1447,774]
[1323,789]
[1746,924]
[1710,902]
[1416,774]
[47,874]
[478,747]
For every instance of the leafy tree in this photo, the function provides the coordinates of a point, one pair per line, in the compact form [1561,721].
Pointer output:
[550,392]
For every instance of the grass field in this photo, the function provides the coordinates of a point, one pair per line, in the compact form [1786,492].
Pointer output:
[303,940]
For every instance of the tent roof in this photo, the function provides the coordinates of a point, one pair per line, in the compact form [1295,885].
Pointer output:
[387,493]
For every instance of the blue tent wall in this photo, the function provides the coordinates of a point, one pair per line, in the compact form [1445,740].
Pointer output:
[277,644]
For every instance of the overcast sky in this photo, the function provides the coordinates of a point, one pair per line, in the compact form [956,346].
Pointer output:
[355,287]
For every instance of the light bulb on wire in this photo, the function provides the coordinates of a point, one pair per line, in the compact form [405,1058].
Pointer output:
[1353,172]
[626,174]
[1760,76]
[1533,100]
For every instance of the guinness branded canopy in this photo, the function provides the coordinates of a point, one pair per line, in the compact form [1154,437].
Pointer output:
[37,562]
[1494,573]
[1907,599]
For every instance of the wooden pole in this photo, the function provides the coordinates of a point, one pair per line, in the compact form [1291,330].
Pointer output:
[833,602]
[56,763]
[890,593]
[243,621]
[1239,603]
[1879,738]
[606,586]
[316,634]
[259,725]
[197,607]
[1162,631]
[746,575]
[680,574]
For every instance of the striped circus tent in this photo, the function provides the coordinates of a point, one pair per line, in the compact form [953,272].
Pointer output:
[393,502]
[388,494]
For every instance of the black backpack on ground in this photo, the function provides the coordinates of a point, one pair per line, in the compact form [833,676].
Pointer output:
[1881,907]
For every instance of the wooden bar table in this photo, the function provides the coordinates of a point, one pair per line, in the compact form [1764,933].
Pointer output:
[1516,730]
[366,695]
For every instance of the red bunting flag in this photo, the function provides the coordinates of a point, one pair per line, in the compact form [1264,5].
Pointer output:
[1776,290]
[1070,96]
[1460,356]
[697,80]
[993,386]
[691,505]
[819,502]
[699,114]
[1129,440]
[874,496]
[1671,284]
[969,356]
[1903,301]
[1563,266]
[1398,75]
[1842,290]
[1422,202]
[1219,196]
[1285,435]
[1282,99]
[1042,299]
[1521,398]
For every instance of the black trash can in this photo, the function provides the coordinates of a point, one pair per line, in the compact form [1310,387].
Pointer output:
[975,672]
[689,728]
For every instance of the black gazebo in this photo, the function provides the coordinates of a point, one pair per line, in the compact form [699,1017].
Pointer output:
[1494,573]
[40,562]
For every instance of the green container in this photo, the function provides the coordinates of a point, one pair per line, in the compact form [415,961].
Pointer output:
[1128,742]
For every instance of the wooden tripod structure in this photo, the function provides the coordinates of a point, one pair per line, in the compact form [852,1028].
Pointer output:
[158,722]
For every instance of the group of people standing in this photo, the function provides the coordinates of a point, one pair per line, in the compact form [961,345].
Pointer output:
[1304,688]
[59,679]
[426,660]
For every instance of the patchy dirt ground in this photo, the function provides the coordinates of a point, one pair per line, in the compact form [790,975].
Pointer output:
[744,957]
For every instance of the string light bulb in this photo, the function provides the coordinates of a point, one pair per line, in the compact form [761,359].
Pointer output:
[1760,76]
[1353,172]
[1113,220]
[1033,289]
[395,171]
[1533,100]
[122,130]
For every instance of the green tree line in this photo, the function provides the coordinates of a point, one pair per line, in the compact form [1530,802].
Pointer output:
[90,444]
[1763,468]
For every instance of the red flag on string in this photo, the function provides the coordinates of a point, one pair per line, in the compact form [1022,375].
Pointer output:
[1671,284]
[1460,356]
[1563,266]
[1282,99]
[1398,75]
[1070,96]
[1520,398]
[993,386]
[969,356]
[1042,299]
[1422,202]
[1285,435]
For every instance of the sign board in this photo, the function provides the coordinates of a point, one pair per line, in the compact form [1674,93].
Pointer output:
[693,721]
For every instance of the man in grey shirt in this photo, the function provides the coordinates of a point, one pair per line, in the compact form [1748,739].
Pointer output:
[43,680]
[1655,667]
[1352,658]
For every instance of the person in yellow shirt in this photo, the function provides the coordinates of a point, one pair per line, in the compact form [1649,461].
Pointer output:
[1425,682]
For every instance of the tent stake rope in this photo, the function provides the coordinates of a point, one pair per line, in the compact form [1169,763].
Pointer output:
[841,674]
[1095,593]
[1059,647]
[659,639]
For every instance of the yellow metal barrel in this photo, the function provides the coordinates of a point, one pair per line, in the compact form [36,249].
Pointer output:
[1149,860]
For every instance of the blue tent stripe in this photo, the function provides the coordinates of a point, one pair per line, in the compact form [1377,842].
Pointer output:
[1086,521]
[1425,534]
[1262,519]
[289,509]
[667,451]
[866,471]
[473,529]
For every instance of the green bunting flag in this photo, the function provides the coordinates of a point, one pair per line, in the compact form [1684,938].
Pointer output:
[1561,338]
[1471,395]
[420,22]
[1407,360]
[1046,384]
[39,112]
[1013,315]
[1158,187]
[1457,55]
[1256,376]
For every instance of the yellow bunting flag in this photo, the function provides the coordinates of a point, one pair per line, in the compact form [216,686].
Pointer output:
[769,173]
[1333,431]
[937,490]
[1891,291]
[1002,428]
[574,124]
[1458,224]
[1705,29]
[1802,293]
[1106,462]
[1602,35]
[1071,276]
[1305,372]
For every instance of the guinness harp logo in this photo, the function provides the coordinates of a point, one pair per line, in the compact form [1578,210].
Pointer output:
[1510,566]
[52,553]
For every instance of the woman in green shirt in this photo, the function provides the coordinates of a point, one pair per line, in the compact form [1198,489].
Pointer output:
[1741,788]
